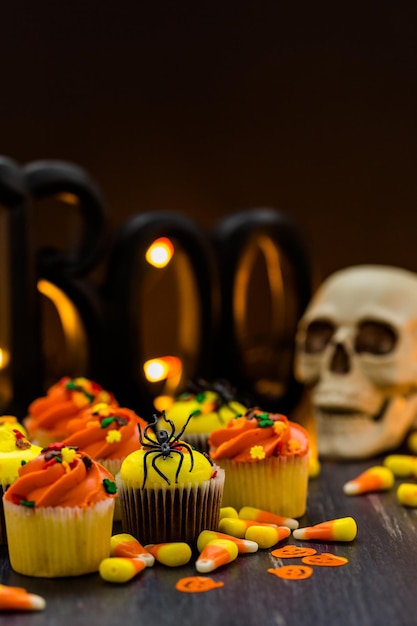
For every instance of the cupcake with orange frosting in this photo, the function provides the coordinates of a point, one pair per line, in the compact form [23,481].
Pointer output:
[168,491]
[15,451]
[266,461]
[108,434]
[59,514]
[49,415]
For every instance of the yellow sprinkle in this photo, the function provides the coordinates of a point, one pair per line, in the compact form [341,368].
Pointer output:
[293,445]
[102,409]
[278,427]
[113,436]
[257,452]
[68,455]
[80,399]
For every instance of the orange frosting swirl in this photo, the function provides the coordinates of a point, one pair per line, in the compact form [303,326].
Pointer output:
[106,432]
[64,401]
[61,476]
[258,435]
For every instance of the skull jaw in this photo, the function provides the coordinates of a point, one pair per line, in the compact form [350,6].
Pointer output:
[360,436]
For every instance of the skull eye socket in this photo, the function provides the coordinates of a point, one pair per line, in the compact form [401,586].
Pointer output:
[375,338]
[318,336]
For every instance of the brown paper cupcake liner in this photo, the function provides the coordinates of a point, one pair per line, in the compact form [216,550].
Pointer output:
[159,514]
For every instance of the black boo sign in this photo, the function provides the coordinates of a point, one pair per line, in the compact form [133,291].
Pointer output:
[248,284]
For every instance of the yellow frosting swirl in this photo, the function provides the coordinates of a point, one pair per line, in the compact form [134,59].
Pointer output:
[209,411]
[15,450]
[195,468]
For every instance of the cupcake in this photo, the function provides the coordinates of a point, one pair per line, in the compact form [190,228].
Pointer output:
[15,451]
[59,514]
[108,434]
[210,405]
[168,491]
[266,461]
[48,416]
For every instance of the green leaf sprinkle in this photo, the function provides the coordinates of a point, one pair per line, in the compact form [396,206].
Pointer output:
[109,486]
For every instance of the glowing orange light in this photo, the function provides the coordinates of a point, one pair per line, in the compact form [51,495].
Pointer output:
[4,358]
[162,368]
[160,252]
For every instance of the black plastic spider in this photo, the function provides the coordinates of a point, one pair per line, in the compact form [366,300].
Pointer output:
[165,444]
[225,392]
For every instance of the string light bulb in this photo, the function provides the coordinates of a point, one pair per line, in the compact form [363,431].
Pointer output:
[160,252]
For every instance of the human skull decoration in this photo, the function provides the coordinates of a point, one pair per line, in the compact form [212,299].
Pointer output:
[356,352]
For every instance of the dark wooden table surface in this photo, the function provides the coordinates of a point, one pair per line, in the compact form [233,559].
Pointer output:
[377,586]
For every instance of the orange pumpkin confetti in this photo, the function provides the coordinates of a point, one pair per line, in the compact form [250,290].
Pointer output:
[325,559]
[292,572]
[290,552]
[197,584]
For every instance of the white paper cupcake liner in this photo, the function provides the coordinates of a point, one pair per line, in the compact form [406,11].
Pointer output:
[52,542]
[276,484]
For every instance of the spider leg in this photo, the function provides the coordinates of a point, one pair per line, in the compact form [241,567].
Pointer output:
[171,423]
[158,471]
[179,464]
[184,427]
[144,435]
[190,450]
[145,467]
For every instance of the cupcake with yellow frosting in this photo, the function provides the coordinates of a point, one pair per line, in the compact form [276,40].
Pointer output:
[210,404]
[168,491]
[108,434]
[59,514]
[48,416]
[15,451]
[266,461]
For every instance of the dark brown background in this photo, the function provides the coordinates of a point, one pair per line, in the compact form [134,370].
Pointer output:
[207,108]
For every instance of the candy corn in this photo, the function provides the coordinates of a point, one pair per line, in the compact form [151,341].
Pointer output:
[120,569]
[341,529]
[259,515]
[376,478]
[314,467]
[265,536]
[126,545]
[215,554]
[402,465]
[407,494]
[238,527]
[412,442]
[228,511]
[18,599]
[243,545]
[172,554]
